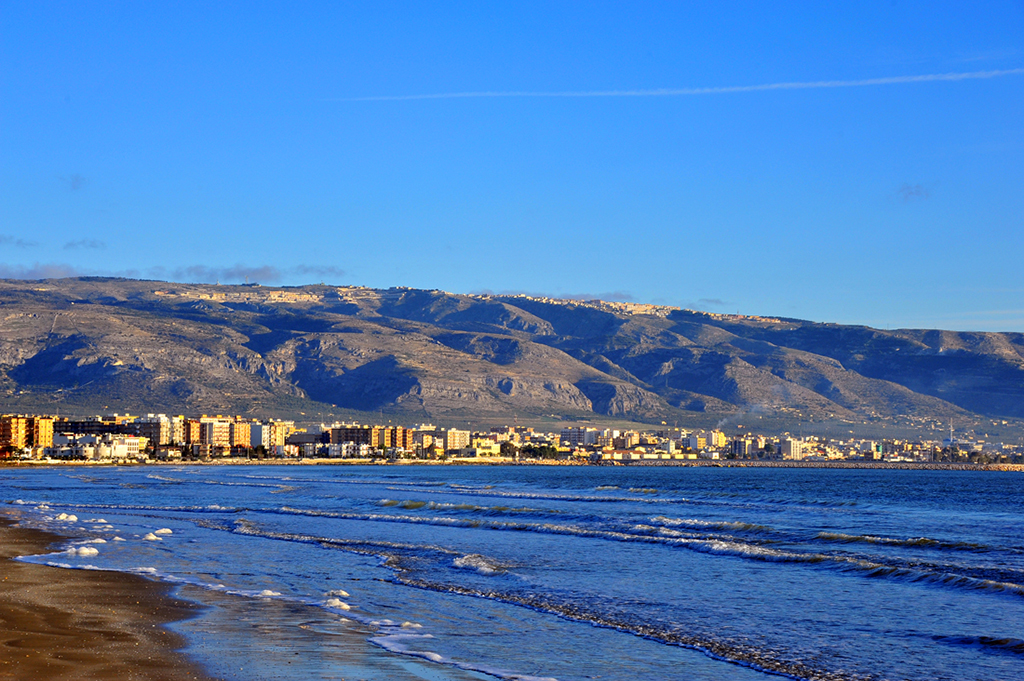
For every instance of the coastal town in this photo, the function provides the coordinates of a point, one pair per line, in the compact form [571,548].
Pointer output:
[124,438]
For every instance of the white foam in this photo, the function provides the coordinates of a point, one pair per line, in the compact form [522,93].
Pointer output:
[479,563]
[164,530]
[119,539]
[267,593]
[149,536]
[83,551]
[396,643]
[337,592]
[68,518]
[411,625]
[336,603]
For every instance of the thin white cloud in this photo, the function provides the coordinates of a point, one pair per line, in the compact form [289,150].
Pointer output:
[84,243]
[680,92]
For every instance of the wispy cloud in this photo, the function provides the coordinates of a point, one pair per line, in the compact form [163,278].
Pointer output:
[988,55]
[197,274]
[913,192]
[968,321]
[203,274]
[84,243]
[38,271]
[263,274]
[74,181]
[719,90]
[615,296]
[8,240]
[968,314]
[717,302]
[996,312]
[194,274]
[322,271]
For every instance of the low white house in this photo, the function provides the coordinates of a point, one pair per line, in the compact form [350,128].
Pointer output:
[96,447]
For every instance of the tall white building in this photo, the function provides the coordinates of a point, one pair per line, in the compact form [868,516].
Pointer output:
[259,435]
[455,439]
[578,437]
[792,449]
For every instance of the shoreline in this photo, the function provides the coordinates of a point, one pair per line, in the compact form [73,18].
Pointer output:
[85,624]
[863,465]
[102,625]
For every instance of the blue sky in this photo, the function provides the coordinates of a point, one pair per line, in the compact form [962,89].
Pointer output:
[277,141]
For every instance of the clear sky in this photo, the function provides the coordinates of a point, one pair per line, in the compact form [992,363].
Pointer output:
[288,142]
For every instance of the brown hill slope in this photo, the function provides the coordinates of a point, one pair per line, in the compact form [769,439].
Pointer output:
[90,343]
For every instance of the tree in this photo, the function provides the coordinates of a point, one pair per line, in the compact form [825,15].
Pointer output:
[544,451]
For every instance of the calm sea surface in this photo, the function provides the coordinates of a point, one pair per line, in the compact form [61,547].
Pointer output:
[565,573]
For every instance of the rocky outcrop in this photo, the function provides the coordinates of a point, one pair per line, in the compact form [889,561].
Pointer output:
[623,400]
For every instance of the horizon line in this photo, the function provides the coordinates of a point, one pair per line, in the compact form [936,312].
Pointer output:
[681,92]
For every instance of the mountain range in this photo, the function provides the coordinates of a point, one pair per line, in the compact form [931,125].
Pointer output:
[86,344]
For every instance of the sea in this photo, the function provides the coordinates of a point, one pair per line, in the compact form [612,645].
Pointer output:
[568,573]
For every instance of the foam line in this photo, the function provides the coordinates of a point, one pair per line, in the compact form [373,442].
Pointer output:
[744,656]
[869,567]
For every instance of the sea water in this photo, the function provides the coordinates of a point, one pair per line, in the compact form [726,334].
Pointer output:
[457,572]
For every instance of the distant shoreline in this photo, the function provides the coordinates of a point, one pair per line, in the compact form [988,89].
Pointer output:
[699,463]
[870,465]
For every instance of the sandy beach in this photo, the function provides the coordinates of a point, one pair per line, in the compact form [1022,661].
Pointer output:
[83,624]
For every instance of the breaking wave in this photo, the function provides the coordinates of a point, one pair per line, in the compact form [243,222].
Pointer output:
[922,542]
[716,648]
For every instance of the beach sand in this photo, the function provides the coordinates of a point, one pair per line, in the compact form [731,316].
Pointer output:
[84,624]
[92,625]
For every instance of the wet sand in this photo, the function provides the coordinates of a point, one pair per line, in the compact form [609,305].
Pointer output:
[84,624]
[92,625]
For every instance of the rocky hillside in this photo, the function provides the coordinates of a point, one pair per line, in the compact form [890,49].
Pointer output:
[91,343]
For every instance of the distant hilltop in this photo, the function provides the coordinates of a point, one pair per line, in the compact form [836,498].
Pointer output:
[258,294]
[88,343]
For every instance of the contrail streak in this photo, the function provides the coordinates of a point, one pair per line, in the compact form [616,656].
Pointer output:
[680,92]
